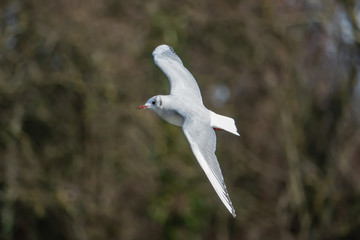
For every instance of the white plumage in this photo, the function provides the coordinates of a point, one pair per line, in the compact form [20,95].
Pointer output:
[184,107]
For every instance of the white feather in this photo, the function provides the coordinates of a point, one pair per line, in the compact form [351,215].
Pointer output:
[223,122]
[184,107]
[203,145]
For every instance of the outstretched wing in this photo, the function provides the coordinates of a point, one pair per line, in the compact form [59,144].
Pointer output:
[181,81]
[202,140]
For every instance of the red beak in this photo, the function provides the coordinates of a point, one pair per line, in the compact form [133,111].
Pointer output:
[142,107]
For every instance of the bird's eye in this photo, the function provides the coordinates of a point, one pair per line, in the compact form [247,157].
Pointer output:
[153,102]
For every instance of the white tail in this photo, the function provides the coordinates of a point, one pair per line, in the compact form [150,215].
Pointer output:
[222,122]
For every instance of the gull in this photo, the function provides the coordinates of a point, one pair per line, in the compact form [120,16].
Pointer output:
[184,107]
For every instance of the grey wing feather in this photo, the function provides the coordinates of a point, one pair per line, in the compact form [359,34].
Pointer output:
[203,144]
[181,80]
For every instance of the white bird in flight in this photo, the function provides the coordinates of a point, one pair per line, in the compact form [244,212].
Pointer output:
[184,107]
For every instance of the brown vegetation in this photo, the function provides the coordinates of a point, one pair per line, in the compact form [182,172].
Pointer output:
[77,161]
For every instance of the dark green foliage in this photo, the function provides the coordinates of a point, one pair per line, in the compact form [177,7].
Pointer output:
[78,161]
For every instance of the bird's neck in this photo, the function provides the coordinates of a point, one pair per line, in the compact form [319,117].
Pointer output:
[166,103]
[167,111]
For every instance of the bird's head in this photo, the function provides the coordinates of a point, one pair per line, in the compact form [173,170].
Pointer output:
[154,103]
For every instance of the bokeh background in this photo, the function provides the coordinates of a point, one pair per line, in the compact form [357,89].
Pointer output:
[78,161]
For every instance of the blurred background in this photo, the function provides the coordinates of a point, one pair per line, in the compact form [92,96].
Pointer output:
[78,161]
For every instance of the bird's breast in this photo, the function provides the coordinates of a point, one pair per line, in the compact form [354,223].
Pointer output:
[171,116]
